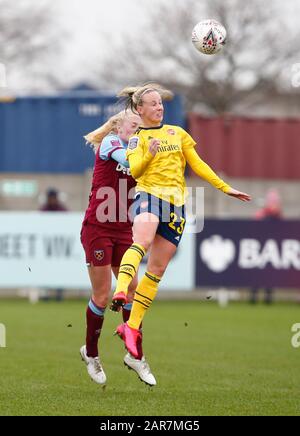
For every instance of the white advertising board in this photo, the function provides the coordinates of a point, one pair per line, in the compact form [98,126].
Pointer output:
[44,250]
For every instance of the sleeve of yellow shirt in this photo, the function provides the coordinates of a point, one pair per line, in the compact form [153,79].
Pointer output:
[187,141]
[204,171]
[138,160]
[138,163]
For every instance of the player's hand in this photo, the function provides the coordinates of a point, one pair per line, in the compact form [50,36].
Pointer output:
[239,195]
[153,147]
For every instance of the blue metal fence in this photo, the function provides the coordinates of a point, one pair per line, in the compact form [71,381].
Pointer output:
[45,134]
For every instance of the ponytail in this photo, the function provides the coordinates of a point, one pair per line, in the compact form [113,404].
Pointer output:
[96,137]
[133,95]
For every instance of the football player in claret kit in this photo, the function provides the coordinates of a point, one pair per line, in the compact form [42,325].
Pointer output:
[157,156]
[106,235]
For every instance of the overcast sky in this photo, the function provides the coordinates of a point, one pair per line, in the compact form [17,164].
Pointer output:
[92,24]
[85,20]
[84,24]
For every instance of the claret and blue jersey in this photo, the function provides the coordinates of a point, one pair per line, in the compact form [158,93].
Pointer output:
[111,170]
[112,147]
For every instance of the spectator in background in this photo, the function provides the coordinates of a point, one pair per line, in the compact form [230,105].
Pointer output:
[271,211]
[53,204]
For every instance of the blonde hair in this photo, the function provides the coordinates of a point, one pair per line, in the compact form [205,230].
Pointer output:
[111,126]
[134,94]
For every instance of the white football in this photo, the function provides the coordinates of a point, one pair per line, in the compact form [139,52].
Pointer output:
[209,36]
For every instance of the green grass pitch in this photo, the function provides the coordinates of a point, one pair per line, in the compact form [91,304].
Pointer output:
[207,360]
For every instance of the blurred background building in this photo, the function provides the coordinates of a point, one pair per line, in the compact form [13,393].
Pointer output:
[58,83]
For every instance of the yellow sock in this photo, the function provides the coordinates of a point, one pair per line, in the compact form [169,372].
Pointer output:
[143,297]
[129,266]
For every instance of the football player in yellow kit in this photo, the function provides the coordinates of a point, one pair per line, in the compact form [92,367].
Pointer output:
[157,156]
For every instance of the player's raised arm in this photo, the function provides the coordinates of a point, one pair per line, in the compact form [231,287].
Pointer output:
[205,172]
[138,160]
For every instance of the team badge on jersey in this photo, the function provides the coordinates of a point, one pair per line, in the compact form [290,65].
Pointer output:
[171,132]
[133,143]
[115,143]
[99,255]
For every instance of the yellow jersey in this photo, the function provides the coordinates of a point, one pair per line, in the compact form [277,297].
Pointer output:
[164,174]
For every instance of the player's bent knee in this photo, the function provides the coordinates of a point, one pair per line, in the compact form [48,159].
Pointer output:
[144,242]
[156,266]
[157,270]
[130,296]
[132,287]
[100,300]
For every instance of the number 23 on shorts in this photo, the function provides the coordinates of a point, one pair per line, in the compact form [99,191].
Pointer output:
[175,225]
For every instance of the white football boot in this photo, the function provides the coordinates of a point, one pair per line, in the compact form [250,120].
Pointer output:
[141,367]
[94,367]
